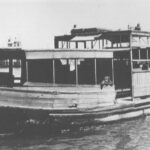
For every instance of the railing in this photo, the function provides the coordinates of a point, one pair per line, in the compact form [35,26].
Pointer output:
[141,77]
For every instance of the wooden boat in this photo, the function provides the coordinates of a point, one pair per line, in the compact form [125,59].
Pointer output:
[61,87]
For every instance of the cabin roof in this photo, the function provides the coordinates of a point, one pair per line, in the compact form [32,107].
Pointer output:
[140,33]
[116,36]
[82,34]
[88,31]
[86,34]
[15,53]
[71,53]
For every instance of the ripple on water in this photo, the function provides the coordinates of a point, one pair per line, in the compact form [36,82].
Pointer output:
[125,135]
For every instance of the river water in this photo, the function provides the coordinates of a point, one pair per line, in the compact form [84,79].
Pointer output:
[124,135]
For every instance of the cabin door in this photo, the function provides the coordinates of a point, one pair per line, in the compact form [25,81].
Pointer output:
[122,73]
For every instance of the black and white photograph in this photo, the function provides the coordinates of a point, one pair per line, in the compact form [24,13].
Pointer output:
[74,75]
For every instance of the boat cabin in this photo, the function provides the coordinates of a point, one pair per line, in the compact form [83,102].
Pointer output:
[131,55]
[86,56]
[69,67]
[10,73]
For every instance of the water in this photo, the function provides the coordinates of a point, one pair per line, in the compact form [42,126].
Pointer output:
[125,135]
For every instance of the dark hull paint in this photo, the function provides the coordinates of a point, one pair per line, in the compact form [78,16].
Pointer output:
[24,120]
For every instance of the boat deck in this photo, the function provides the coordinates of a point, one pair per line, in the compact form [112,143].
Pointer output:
[60,97]
[32,97]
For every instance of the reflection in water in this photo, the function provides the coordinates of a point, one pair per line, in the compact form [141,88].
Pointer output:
[126,135]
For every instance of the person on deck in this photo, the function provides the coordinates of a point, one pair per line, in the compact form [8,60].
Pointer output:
[106,82]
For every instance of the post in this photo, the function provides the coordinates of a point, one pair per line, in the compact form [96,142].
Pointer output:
[120,41]
[111,44]
[139,41]
[139,53]
[23,70]
[67,44]
[62,45]
[76,69]
[92,45]
[27,71]
[147,53]
[53,71]
[76,44]
[99,44]
[10,66]
[95,69]
[102,43]
[113,80]
[117,45]
[85,44]
[106,42]
[22,73]
[131,65]
[10,79]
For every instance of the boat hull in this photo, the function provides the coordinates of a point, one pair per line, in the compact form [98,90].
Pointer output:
[53,109]
[26,120]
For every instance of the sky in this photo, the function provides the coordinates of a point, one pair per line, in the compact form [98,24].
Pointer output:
[36,22]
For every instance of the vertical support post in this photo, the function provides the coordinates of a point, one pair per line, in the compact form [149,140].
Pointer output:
[139,41]
[113,79]
[111,44]
[27,71]
[69,44]
[85,44]
[117,45]
[76,68]
[92,45]
[62,45]
[147,53]
[53,71]
[21,78]
[76,44]
[10,66]
[139,53]
[99,44]
[120,41]
[102,43]
[95,69]
[23,70]
[106,42]
[131,65]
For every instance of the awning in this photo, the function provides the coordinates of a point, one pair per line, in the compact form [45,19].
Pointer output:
[67,54]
